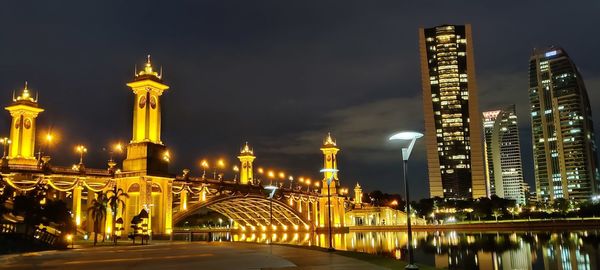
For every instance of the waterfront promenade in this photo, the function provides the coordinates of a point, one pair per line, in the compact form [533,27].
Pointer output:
[179,255]
[501,225]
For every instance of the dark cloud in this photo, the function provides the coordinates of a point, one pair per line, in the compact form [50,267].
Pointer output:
[278,74]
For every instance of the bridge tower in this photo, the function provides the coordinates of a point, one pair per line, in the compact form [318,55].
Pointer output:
[24,111]
[145,175]
[330,149]
[357,196]
[246,158]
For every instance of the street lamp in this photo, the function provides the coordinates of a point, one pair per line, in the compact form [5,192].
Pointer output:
[81,150]
[115,148]
[204,165]
[412,137]
[272,190]
[307,181]
[48,138]
[236,169]
[271,175]
[167,156]
[332,171]
[220,164]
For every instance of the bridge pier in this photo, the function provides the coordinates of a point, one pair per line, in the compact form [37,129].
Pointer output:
[183,198]
[77,204]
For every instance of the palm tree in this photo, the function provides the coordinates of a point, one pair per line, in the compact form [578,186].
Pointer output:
[98,211]
[117,199]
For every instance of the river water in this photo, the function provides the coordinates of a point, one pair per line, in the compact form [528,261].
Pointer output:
[577,250]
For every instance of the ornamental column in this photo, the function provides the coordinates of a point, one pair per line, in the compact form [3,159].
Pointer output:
[246,158]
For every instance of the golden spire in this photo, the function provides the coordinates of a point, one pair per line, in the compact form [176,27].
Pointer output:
[25,95]
[329,141]
[357,185]
[246,150]
[148,70]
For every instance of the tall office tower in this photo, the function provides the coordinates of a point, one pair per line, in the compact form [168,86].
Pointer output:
[503,154]
[452,118]
[564,149]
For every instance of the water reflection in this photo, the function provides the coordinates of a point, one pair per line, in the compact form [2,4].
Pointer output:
[459,250]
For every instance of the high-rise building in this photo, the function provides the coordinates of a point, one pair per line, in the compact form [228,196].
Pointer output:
[452,118]
[503,154]
[564,148]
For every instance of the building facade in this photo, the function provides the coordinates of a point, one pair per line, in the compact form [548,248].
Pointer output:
[452,118]
[504,171]
[564,148]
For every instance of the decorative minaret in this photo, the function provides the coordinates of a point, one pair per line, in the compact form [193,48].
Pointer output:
[145,174]
[23,110]
[330,149]
[246,158]
[147,87]
[357,196]
[146,151]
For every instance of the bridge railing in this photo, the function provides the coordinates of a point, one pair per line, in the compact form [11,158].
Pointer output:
[232,183]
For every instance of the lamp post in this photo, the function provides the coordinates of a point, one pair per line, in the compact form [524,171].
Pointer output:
[412,137]
[272,190]
[236,169]
[204,165]
[332,171]
[220,165]
[81,150]
[271,175]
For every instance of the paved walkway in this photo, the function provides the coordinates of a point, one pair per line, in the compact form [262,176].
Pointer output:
[181,256]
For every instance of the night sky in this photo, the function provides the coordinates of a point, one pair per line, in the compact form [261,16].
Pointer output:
[279,74]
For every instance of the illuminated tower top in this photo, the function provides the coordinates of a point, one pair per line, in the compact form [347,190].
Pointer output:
[147,87]
[329,141]
[330,149]
[246,151]
[24,111]
[246,158]
[148,72]
[25,97]
[357,194]
[146,153]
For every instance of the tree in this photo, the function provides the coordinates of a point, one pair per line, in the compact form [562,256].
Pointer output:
[30,207]
[98,212]
[424,207]
[376,197]
[482,208]
[117,199]
[561,205]
[496,213]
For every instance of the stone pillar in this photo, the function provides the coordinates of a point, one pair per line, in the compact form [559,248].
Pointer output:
[202,194]
[109,221]
[77,204]
[183,198]
[168,206]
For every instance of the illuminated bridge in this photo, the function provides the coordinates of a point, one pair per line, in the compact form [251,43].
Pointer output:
[165,198]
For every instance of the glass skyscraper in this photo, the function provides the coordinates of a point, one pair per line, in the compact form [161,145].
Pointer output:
[504,170]
[564,148]
[452,118]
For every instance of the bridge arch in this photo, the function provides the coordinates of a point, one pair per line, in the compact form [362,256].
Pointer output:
[249,210]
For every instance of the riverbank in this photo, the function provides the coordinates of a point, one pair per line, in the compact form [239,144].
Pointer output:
[501,225]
